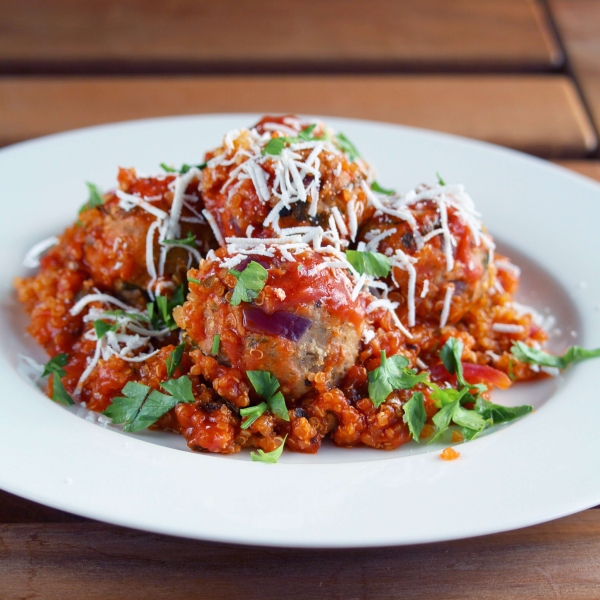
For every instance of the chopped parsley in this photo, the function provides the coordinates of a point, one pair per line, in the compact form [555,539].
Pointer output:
[439,178]
[451,355]
[161,310]
[498,413]
[414,415]
[54,367]
[266,387]
[194,280]
[189,240]
[268,457]
[174,359]
[249,283]
[122,313]
[530,355]
[392,375]
[377,188]
[102,328]
[251,413]
[95,198]
[347,146]
[183,170]
[374,264]
[216,345]
[275,145]
[141,406]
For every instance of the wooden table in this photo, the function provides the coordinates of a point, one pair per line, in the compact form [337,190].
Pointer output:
[522,73]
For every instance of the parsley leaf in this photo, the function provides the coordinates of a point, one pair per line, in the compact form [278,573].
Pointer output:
[371,263]
[268,457]
[141,407]
[414,415]
[392,375]
[451,355]
[347,146]
[124,409]
[161,310]
[174,359]
[263,382]
[266,386]
[55,365]
[500,414]
[216,345]
[95,198]
[377,188]
[60,395]
[189,240]
[194,280]
[276,145]
[574,354]
[439,178]
[251,413]
[249,283]
[180,389]
[183,170]
[102,328]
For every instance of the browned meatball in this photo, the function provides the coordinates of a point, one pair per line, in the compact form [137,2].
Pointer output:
[305,184]
[110,241]
[437,275]
[303,327]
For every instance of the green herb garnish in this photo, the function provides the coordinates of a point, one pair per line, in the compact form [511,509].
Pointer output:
[275,146]
[174,359]
[377,188]
[95,198]
[189,240]
[439,178]
[249,283]
[347,146]
[54,367]
[142,407]
[266,386]
[574,354]
[183,170]
[414,415]
[251,413]
[268,457]
[102,328]
[451,355]
[161,310]
[500,414]
[374,264]
[215,344]
[392,375]
[193,280]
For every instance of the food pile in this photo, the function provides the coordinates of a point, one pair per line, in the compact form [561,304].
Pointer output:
[276,295]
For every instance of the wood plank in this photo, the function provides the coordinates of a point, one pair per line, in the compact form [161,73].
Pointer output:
[537,114]
[578,22]
[91,560]
[589,168]
[192,35]
[18,510]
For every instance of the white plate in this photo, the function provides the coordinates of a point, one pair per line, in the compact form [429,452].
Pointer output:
[541,467]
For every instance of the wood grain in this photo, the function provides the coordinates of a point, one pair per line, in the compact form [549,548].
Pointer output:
[589,168]
[537,114]
[559,559]
[192,35]
[578,22]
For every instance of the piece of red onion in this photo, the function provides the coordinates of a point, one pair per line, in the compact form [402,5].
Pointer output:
[282,323]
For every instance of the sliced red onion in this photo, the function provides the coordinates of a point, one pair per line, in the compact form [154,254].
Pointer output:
[284,324]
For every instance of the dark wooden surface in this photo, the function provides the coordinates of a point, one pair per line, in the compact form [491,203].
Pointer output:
[490,69]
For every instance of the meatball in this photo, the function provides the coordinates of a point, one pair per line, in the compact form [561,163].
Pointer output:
[307,183]
[109,243]
[303,326]
[437,276]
